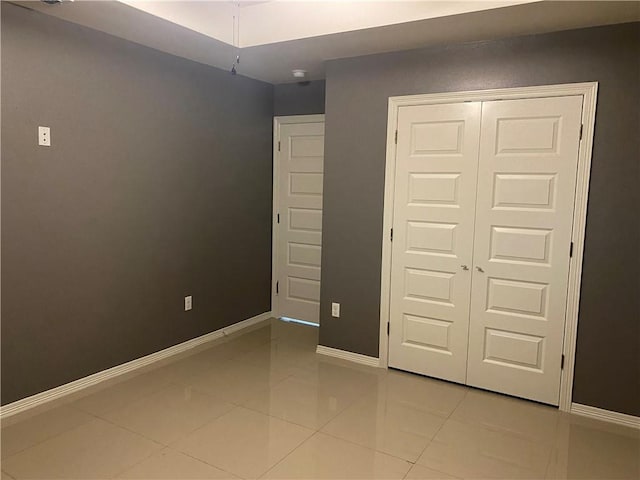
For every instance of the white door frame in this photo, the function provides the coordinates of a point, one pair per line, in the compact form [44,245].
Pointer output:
[589,91]
[278,121]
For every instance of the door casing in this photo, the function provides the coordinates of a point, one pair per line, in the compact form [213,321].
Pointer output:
[277,122]
[589,92]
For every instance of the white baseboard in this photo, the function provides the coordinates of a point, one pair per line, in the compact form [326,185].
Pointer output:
[99,377]
[352,357]
[606,415]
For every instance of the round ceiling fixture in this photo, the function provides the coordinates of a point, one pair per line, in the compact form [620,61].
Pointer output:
[299,73]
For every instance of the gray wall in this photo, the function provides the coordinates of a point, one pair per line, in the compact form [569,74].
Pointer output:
[158,185]
[299,98]
[608,351]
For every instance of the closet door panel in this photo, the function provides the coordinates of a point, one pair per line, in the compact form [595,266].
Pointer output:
[525,196]
[435,182]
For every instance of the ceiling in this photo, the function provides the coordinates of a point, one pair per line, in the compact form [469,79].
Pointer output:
[274,37]
[249,24]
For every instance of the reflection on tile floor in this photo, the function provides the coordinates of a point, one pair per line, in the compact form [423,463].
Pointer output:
[263,404]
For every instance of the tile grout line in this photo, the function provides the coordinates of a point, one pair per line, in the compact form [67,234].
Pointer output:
[366,447]
[11,477]
[360,445]
[294,375]
[171,445]
[162,446]
[142,397]
[353,402]
[501,431]
[490,429]
[288,454]
[120,472]
[238,405]
[206,424]
[315,431]
[94,417]
[300,424]
[130,430]
[447,418]
[202,461]
[553,447]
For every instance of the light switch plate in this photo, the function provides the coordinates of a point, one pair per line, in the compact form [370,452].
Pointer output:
[188,303]
[335,310]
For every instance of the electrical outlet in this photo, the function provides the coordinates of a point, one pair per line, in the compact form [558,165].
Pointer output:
[335,310]
[188,303]
[44,136]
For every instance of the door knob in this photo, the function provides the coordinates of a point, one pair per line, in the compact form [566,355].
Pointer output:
[464,267]
[480,269]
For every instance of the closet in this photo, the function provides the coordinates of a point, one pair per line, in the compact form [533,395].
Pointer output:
[483,205]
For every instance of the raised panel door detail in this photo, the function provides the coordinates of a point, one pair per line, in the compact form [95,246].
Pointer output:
[305,184]
[299,230]
[305,219]
[524,191]
[533,135]
[513,350]
[431,238]
[429,333]
[304,255]
[429,285]
[434,188]
[307,146]
[303,289]
[436,138]
[521,245]
[509,296]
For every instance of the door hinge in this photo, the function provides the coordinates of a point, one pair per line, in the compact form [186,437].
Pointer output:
[396,137]
[392,234]
[277,288]
[278,218]
[562,362]
[388,328]
[571,250]
[278,145]
[581,129]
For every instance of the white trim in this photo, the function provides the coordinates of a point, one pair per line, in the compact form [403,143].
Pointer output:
[350,356]
[277,122]
[589,92]
[39,399]
[236,327]
[606,415]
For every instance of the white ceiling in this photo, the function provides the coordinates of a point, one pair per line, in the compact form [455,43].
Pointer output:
[261,23]
[275,37]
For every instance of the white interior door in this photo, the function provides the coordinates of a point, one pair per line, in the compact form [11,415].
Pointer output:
[435,185]
[526,188]
[299,226]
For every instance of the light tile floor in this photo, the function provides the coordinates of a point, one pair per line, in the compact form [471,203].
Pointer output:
[263,404]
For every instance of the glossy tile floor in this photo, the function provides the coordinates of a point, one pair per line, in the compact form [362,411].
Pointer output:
[263,404]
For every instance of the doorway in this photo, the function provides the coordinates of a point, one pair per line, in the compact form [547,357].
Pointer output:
[297,216]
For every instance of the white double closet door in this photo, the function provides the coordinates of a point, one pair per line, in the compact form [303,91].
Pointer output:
[483,209]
